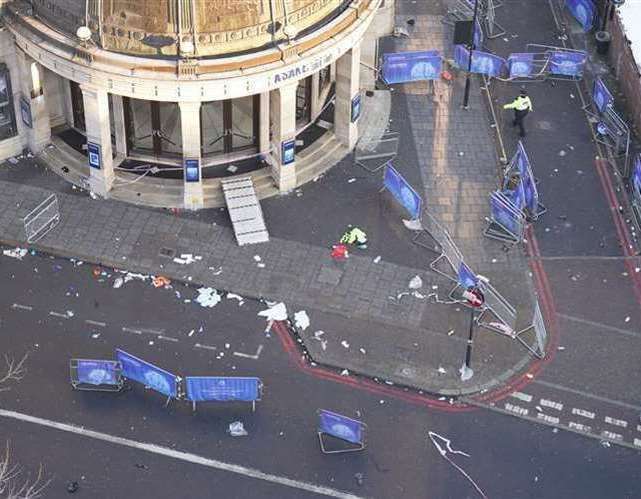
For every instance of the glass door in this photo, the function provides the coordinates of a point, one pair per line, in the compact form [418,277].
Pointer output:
[78,107]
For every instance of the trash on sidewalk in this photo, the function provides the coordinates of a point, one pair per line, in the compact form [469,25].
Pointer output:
[208,297]
[118,282]
[160,281]
[234,296]
[236,429]
[275,312]
[345,344]
[416,282]
[18,253]
[187,258]
[339,252]
[377,259]
[301,319]
[441,370]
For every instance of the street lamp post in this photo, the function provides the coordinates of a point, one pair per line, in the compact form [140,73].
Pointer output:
[471,47]
[466,369]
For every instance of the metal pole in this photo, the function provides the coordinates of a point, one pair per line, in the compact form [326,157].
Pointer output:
[471,47]
[466,369]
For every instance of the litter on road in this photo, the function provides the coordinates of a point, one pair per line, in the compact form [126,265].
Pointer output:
[236,429]
[208,297]
[301,319]
[275,312]
[18,253]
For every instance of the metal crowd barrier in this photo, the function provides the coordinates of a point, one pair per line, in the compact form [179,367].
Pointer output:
[373,155]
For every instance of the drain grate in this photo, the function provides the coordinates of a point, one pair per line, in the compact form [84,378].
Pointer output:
[167,252]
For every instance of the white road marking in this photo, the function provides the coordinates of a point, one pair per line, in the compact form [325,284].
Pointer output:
[587,394]
[182,456]
[96,323]
[583,412]
[553,405]
[58,314]
[167,338]
[580,427]
[522,396]
[248,356]
[131,330]
[207,347]
[151,331]
[611,435]
[547,419]
[616,422]
[21,307]
[600,325]
[516,409]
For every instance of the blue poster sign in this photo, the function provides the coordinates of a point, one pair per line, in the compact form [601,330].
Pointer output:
[482,62]
[288,151]
[149,375]
[636,174]
[356,107]
[339,426]
[192,170]
[583,11]
[504,214]
[403,67]
[25,112]
[402,191]
[97,372]
[601,96]
[565,63]
[94,155]
[465,277]
[520,65]
[223,389]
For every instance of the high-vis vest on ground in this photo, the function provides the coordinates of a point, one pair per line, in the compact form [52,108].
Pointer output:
[354,236]
[520,104]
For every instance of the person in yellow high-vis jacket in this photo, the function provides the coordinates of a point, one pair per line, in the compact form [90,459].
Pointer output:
[522,105]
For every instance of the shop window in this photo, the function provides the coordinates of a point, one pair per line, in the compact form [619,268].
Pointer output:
[7,114]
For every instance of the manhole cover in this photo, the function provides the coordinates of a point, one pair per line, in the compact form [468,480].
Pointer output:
[167,252]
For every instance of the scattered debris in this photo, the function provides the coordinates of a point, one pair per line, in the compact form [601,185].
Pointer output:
[344,372]
[416,282]
[234,296]
[18,253]
[160,281]
[441,370]
[345,344]
[351,180]
[208,297]
[236,429]
[339,252]
[118,282]
[275,312]
[377,259]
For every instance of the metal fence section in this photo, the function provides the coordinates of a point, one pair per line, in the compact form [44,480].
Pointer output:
[42,219]
[614,133]
[373,155]
[496,304]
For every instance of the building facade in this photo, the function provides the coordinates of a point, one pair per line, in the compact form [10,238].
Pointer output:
[177,91]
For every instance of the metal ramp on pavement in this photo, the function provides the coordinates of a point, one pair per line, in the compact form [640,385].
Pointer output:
[244,211]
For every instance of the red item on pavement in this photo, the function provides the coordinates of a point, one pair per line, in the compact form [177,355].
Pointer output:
[340,252]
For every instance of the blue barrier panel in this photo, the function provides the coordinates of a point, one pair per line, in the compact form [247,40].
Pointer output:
[636,174]
[520,65]
[505,215]
[482,62]
[402,191]
[584,11]
[565,63]
[97,372]
[465,277]
[601,96]
[149,375]
[528,181]
[340,426]
[222,389]
[403,67]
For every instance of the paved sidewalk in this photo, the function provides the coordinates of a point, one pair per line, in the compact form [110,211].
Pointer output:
[447,151]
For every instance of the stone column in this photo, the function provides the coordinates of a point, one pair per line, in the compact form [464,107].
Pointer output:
[190,127]
[347,87]
[283,120]
[96,104]
[119,126]
[316,104]
[31,86]
[263,125]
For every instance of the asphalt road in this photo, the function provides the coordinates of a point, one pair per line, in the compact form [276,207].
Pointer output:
[509,457]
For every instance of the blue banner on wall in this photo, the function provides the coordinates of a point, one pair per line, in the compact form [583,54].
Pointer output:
[288,151]
[636,174]
[339,426]
[403,67]
[465,277]
[482,62]
[505,214]
[402,191]
[520,65]
[583,11]
[94,155]
[223,389]
[565,63]
[149,375]
[97,372]
[601,95]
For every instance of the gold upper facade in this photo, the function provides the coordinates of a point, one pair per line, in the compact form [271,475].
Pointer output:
[197,28]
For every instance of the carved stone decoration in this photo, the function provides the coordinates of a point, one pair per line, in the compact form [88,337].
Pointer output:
[215,27]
